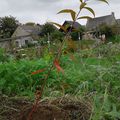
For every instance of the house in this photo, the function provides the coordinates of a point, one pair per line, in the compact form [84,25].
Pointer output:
[68,24]
[76,28]
[88,35]
[118,22]
[26,34]
[118,26]
[93,24]
[5,44]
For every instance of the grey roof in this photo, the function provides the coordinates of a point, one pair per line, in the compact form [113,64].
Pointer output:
[76,25]
[96,22]
[32,29]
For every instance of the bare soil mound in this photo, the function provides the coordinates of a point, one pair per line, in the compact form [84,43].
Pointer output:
[59,109]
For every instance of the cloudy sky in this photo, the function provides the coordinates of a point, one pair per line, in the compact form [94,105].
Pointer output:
[41,11]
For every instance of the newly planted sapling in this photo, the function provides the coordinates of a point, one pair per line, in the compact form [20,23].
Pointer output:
[75,16]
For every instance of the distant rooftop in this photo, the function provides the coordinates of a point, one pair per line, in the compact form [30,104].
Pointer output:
[118,21]
[95,22]
[31,28]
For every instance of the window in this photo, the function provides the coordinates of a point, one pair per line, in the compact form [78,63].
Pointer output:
[26,42]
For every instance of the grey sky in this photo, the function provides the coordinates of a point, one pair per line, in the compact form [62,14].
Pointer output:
[40,11]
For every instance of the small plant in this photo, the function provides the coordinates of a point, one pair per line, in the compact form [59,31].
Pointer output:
[56,60]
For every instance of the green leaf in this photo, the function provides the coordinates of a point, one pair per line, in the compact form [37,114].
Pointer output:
[82,5]
[73,13]
[104,1]
[60,26]
[85,17]
[91,10]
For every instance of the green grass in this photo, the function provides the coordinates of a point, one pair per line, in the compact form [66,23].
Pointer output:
[114,39]
[88,75]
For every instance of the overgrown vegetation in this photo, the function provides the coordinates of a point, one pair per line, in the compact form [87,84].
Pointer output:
[86,72]
[8,25]
[92,74]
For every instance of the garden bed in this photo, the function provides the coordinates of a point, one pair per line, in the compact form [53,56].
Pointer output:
[58,109]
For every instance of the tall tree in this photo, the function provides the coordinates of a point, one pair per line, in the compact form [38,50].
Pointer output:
[8,24]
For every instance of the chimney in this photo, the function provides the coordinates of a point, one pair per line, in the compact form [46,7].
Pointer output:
[113,14]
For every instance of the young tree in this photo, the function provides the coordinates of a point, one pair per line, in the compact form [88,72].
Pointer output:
[55,63]
[8,24]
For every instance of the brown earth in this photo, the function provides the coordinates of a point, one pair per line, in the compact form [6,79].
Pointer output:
[59,109]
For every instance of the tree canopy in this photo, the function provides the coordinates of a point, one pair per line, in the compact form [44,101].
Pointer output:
[8,25]
[48,28]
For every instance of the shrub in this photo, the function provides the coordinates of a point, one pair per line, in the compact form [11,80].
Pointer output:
[109,31]
[57,36]
[4,57]
[47,28]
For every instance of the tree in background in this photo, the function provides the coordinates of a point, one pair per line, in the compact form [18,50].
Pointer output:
[78,34]
[57,36]
[50,34]
[8,25]
[47,28]
[109,31]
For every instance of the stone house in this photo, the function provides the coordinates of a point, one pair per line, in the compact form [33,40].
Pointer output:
[76,27]
[26,34]
[88,35]
[118,21]
[5,44]
[68,24]
[118,26]
[93,24]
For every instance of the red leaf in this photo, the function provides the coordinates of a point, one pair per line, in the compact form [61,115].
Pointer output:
[57,65]
[38,71]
